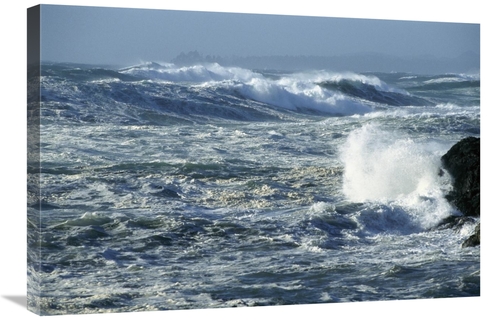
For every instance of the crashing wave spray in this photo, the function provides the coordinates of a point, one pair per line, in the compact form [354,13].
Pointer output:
[380,167]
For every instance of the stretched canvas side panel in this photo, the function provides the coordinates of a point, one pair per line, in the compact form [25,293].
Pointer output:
[33,159]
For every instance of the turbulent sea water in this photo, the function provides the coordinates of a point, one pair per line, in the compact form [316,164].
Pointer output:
[166,187]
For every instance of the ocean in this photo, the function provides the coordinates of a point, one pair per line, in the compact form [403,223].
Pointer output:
[165,187]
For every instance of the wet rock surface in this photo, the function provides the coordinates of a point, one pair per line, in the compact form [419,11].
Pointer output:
[462,161]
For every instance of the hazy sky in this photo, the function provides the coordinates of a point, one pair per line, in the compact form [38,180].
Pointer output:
[128,36]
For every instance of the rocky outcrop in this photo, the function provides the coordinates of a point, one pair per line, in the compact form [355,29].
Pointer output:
[462,162]
[474,239]
[454,222]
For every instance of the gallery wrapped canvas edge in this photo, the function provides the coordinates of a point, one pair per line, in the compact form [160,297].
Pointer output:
[33,160]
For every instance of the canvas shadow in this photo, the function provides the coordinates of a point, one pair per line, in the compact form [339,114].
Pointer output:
[19,300]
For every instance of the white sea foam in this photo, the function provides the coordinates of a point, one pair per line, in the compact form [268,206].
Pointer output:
[196,73]
[293,92]
[454,78]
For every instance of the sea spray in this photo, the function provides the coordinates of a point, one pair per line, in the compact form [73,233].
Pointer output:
[387,168]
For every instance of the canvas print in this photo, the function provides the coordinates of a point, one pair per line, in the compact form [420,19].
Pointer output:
[189,160]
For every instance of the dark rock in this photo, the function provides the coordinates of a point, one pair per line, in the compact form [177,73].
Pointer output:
[453,222]
[474,239]
[462,163]
[456,223]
